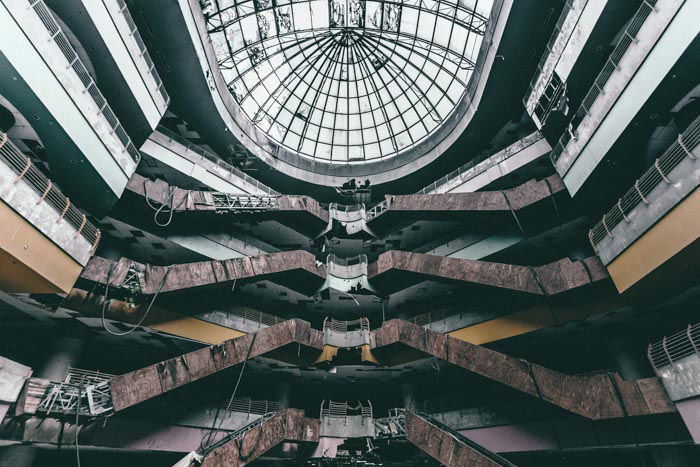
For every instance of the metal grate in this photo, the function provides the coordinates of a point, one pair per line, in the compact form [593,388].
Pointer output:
[674,347]
[133,32]
[215,159]
[74,61]
[657,173]
[626,39]
[228,202]
[30,174]
[84,389]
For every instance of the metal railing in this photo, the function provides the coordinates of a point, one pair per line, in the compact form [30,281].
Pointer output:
[133,32]
[343,409]
[479,164]
[360,324]
[252,314]
[377,209]
[430,317]
[464,440]
[568,6]
[249,406]
[30,174]
[211,157]
[84,391]
[238,433]
[657,173]
[57,35]
[674,347]
[628,36]
[237,203]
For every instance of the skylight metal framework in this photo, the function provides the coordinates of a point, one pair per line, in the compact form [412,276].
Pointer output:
[347,81]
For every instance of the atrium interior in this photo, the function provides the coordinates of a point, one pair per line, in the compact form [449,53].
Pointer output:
[349,232]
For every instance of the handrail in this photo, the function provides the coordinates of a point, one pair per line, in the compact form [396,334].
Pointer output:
[477,165]
[628,36]
[237,433]
[360,324]
[252,314]
[49,193]
[433,316]
[143,50]
[57,35]
[215,159]
[674,347]
[343,409]
[657,173]
[464,440]
[568,6]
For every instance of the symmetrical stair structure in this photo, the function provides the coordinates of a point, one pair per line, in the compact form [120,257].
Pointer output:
[349,232]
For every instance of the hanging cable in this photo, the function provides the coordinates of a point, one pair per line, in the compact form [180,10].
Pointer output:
[203,446]
[77,419]
[106,303]
[164,208]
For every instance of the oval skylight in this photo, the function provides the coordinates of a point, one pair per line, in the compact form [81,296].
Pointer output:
[347,81]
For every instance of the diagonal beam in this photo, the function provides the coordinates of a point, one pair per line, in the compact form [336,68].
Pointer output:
[596,397]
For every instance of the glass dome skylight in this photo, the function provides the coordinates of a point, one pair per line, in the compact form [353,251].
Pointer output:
[347,81]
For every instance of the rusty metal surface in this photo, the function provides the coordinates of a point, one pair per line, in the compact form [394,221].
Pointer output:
[137,386]
[286,425]
[596,397]
[442,446]
[549,279]
[197,274]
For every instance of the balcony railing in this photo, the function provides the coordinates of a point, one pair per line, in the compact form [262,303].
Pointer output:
[254,315]
[550,45]
[674,347]
[57,35]
[216,160]
[31,175]
[133,32]
[627,38]
[657,173]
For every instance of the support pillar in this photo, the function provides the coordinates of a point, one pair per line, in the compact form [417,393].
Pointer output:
[630,357]
[64,352]
[283,393]
[408,391]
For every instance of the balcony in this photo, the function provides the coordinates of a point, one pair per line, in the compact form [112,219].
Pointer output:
[656,220]
[89,152]
[119,56]
[176,155]
[478,174]
[651,43]
[55,238]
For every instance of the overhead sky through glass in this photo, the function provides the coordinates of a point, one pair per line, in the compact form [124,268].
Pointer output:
[347,81]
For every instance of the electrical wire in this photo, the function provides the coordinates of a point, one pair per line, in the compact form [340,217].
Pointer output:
[106,303]
[214,430]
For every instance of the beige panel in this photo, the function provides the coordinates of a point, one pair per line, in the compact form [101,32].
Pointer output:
[30,262]
[675,231]
[534,318]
